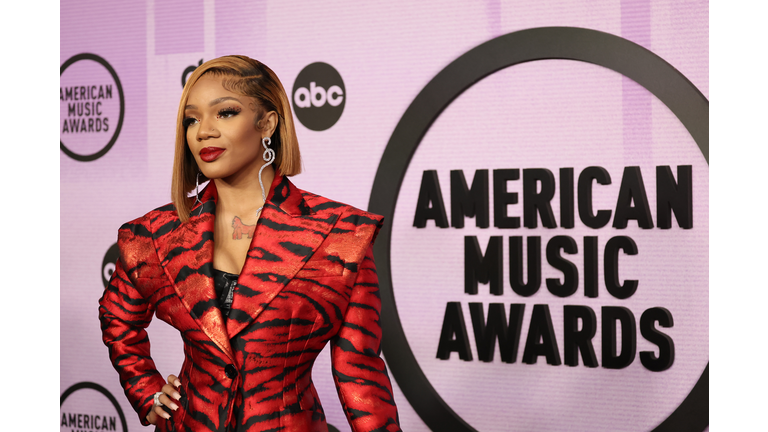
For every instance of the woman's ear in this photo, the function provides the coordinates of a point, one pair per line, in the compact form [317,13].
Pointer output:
[268,123]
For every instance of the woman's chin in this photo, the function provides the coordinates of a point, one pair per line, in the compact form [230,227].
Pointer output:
[212,173]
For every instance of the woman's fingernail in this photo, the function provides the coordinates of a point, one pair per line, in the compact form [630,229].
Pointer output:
[176,395]
[177,383]
[173,406]
[166,415]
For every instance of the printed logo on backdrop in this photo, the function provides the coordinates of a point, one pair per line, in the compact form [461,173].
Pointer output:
[87,406]
[92,107]
[319,96]
[540,237]
[109,263]
[188,71]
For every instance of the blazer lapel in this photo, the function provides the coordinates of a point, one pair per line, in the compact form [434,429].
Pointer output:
[186,254]
[286,236]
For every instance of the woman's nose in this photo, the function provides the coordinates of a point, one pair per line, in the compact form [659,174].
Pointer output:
[207,130]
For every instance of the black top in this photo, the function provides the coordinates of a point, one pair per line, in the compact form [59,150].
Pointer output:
[224,283]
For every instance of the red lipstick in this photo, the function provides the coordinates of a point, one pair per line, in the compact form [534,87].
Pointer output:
[210,154]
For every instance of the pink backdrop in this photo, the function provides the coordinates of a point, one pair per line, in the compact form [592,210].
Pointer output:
[546,114]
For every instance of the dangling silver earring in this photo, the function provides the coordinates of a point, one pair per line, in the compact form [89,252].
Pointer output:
[269,157]
[197,189]
[197,194]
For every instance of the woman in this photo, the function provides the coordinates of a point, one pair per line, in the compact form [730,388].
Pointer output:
[257,278]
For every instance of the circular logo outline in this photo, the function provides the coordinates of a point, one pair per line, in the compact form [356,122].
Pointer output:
[543,43]
[93,386]
[108,67]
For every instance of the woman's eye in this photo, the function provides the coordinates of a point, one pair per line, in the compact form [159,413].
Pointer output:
[228,112]
[189,121]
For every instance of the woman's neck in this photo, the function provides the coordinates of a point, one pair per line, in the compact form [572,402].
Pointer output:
[242,196]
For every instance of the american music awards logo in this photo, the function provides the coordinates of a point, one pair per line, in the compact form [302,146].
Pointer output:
[87,406]
[92,107]
[549,270]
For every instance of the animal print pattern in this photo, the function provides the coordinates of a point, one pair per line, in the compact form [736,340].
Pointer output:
[309,278]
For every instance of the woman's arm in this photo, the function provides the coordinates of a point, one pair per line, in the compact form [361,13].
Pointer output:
[358,370]
[125,314]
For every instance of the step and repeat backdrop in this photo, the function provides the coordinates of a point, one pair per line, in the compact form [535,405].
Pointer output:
[542,167]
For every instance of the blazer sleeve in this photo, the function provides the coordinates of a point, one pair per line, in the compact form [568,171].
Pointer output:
[358,370]
[125,314]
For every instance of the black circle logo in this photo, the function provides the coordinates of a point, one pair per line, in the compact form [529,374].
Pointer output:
[87,406]
[319,96]
[591,46]
[92,107]
[188,71]
[109,263]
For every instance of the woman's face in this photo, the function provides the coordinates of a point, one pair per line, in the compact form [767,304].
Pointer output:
[221,130]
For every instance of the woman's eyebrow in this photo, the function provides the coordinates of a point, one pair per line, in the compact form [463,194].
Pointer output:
[215,101]
[222,99]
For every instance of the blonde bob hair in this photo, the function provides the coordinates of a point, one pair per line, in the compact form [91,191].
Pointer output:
[247,77]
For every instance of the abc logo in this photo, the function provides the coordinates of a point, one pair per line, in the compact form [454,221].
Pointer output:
[109,262]
[188,71]
[318,96]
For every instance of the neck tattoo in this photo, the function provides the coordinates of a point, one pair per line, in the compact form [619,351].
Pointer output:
[241,229]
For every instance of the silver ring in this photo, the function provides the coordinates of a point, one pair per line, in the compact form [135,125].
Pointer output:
[157,399]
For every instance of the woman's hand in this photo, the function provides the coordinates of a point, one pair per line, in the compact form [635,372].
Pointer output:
[168,398]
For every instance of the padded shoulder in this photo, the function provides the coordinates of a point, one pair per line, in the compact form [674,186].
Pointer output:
[365,225]
[135,241]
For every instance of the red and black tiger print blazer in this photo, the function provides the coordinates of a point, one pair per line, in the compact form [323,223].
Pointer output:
[309,278]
